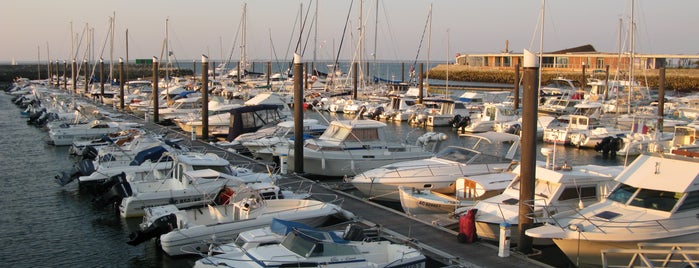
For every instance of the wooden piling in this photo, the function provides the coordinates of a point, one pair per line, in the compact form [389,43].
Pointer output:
[298,114]
[121,84]
[101,81]
[661,99]
[156,67]
[420,84]
[204,97]
[86,64]
[530,104]
[516,88]
[355,79]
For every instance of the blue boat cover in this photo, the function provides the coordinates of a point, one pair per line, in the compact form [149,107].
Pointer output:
[153,154]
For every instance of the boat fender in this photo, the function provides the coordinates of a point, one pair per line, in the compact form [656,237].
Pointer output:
[159,227]
[467,227]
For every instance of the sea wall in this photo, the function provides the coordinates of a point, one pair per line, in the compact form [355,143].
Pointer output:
[10,72]
[685,80]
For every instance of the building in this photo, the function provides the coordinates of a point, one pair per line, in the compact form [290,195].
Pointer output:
[573,59]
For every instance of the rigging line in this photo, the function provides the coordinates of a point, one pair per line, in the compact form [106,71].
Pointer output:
[235,43]
[303,26]
[344,32]
[424,30]
[390,33]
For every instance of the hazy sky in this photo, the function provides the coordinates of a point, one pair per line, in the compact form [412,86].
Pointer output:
[210,27]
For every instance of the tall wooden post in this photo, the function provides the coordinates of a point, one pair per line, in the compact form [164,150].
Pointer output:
[156,68]
[583,81]
[355,79]
[121,84]
[306,85]
[298,114]
[101,80]
[65,75]
[74,75]
[204,97]
[606,82]
[269,74]
[194,68]
[87,75]
[530,104]
[661,100]
[420,95]
[516,87]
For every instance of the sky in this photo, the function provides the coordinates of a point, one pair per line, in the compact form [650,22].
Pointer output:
[400,30]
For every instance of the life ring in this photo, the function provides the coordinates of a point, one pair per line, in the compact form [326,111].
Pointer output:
[224,196]
[314,78]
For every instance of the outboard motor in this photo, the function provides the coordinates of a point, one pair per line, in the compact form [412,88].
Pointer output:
[116,193]
[464,122]
[454,122]
[159,227]
[86,167]
[67,176]
[609,146]
[89,153]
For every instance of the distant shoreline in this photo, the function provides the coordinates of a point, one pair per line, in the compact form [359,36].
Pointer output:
[685,80]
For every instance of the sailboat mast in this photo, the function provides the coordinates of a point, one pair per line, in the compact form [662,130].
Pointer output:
[243,60]
[631,55]
[429,45]
[541,46]
[167,51]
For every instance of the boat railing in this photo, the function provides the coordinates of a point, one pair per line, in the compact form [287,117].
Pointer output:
[632,227]
[653,255]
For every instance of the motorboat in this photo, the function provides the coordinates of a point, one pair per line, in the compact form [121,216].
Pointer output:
[193,230]
[492,114]
[562,133]
[655,201]
[260,145]
[349,147]
[491,152]
[557,189]
[195,179]
[315,248]
[65,134]
[467,191]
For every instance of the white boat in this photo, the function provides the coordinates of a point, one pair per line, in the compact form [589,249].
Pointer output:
[193,230]
[349,147]
[655,201]
[492,114]
[313,248]
[466,192]
[441,171]
[65,134]
[261,145]
[195,179]
[556,190]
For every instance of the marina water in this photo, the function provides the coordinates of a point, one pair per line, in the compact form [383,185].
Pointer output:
[44,224]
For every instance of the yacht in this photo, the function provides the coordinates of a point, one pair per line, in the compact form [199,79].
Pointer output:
[656,200]
[189,229]
[557,189]
[314,248]
[349,147]
[491,152]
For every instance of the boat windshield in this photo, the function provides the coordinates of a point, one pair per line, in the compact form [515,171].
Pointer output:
[458,154]
[223,169]
[645,198]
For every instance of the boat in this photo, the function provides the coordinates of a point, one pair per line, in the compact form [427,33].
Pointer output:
[557,189]
[492,114]
[467,191]
[191,231]
[260,145]
[195,179]
[440,172]
[349,147]
[65,134]
[302,247]
[655,201]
